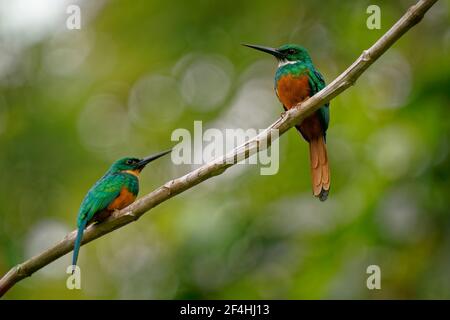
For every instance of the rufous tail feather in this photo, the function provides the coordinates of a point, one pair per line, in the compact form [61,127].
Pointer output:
[320,171]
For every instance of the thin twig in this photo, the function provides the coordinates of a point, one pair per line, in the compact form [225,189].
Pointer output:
[218,166]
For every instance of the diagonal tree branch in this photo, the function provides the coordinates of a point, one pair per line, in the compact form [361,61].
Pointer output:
[218,166]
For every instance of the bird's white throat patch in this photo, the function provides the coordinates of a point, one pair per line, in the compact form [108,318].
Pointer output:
[133,172]
[284,62]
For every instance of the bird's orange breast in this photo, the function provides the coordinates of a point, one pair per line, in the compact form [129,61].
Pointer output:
[292,90]
[124,199]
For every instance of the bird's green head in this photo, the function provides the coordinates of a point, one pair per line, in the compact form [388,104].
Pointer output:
[287,53]
[134,165]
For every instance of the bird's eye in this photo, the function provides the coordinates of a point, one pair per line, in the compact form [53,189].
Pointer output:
[129,161]
[291,51]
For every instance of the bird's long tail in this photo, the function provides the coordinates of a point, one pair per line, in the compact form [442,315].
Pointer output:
[77,245]
[320,171]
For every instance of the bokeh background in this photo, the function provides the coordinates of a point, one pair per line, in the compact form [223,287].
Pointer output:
[72,101]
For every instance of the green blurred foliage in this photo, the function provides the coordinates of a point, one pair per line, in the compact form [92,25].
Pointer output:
[73,101]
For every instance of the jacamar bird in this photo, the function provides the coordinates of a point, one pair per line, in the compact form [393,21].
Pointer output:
[117,189]
[296,79]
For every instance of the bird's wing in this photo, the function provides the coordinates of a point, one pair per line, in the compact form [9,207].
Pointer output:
[317,83]
[100,196]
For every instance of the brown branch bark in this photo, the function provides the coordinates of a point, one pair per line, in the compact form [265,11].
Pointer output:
[218,166]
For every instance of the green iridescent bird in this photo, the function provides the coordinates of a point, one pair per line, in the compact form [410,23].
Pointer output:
[296,79]
[117,189]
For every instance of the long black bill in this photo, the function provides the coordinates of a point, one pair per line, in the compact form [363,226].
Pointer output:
[141,164]
[269,50]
